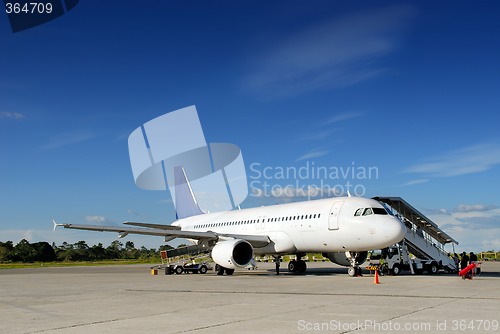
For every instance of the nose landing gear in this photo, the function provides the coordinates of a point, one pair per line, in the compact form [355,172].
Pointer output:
[354,270]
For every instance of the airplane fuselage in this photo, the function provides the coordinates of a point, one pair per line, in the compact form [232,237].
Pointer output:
[329,225]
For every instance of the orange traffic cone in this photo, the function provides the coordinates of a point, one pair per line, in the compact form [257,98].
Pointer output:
[375,280]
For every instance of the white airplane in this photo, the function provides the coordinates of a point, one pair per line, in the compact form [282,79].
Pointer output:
[344,229]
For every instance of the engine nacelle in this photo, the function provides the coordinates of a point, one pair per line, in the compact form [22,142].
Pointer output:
[232,254]
[344,258]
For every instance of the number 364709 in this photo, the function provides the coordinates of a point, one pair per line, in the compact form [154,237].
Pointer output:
[28,8]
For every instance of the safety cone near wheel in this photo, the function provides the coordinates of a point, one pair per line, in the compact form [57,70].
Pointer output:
[375,280]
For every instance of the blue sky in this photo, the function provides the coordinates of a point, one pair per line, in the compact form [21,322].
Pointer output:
[410,88]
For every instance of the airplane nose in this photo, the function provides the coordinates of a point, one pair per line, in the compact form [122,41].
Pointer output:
[394,230]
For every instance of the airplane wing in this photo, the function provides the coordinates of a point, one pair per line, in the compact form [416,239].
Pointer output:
[158,226]
[169,234]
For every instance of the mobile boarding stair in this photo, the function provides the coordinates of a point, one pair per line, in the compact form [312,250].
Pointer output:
[424,239]
[183,259]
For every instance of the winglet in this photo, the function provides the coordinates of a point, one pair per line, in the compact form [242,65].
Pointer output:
[185,202]
[56,224]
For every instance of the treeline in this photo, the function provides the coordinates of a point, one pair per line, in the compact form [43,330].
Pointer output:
[44,252]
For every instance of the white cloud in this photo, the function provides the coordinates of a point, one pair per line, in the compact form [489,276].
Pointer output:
[324,130]
[312,155]
[475,230]
[28,235]
[335,53]
[475,207]
[11,115]
[99,220]
[414,182]
[344,117]
[70,138]
[468,160]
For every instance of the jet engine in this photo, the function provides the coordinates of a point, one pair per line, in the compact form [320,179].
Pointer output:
[232,254]
[345,258]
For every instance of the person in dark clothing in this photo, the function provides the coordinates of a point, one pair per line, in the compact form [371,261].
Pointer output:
[472,257]
[464,261]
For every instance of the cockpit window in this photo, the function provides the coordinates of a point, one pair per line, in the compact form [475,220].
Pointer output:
[379,211]
[370,211]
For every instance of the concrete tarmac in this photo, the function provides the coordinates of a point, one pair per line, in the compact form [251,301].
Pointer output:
[128,299]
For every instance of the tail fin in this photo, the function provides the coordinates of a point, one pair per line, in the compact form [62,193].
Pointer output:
[185,202]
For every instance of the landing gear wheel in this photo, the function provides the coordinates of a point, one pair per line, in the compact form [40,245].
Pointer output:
[292,266]
[301,266]
[229,272]
[351,271]
[219,270]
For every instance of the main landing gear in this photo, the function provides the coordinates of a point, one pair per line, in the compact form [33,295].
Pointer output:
[297,266]
[220,270]
[294,266]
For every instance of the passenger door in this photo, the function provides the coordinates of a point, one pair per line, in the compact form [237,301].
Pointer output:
[333,219]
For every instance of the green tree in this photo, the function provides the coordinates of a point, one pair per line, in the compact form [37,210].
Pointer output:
[97,252]
[6,251]
[130,252]
[23,252]
[80,251]
[43,252]
[114,250]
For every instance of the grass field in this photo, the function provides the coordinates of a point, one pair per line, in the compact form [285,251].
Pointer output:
[75,264]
